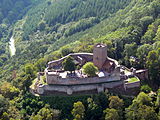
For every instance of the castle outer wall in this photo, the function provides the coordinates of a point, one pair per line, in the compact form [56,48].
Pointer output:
[80,57]
[58,82]
[78,88]
[73,85]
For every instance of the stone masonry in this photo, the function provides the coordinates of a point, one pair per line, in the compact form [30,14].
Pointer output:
[57,83]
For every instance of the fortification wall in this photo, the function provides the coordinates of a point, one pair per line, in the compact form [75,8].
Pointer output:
[85,58]
[132,85]
[142,74]
[55,79]
[70,89]
[51,78]
[71,81]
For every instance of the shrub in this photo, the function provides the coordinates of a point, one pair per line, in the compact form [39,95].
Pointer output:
[146,89]
[90,69]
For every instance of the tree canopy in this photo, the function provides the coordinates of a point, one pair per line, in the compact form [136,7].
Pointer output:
[46,30]
[69,64]
[78,111]
[90,69]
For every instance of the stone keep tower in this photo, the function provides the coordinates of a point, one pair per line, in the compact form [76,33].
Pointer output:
[99,55]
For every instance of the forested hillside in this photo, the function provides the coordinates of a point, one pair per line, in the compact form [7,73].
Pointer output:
[55,13]
[42,25]
[45,30]
[11,10]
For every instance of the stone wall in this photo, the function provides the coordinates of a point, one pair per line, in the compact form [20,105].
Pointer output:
[132,85]
[51,78]
[71,89]
[74,85]
[55,79]
[142,74]
[71,81]
[86,57]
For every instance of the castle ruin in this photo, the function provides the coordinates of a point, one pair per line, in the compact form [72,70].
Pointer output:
[110,75]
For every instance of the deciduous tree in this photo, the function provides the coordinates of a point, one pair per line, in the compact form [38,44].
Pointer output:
[78,111]
[90,69]
[8,90]
[69,64]
[93,111]
[111,114]
[153,64]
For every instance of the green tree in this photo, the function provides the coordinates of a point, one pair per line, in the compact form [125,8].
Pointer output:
[30,104]
[26,82]
[40,64]
[143,112]
[144,99]
[42,26]
[141,108]
[65,51]
[116,103]
[142,53]
[46,113]
[78,111]
[90,69]
[3,104]
[30,70]
[146,21]
[29,75]
[102,100]
[5,116]
[37,117]
[9,91]
[69,64]
[93,111]
[146,89]
[158,99]
[129,50]
[153,64]
[111,114]
[13,110]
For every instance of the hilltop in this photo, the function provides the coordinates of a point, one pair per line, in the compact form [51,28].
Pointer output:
[46,30]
